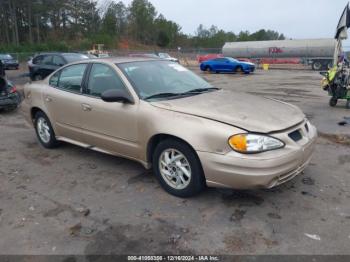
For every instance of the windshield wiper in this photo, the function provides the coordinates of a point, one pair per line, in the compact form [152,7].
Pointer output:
[193,91]
[162,95]
[202,90]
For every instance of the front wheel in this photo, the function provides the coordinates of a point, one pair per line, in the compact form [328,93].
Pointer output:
[44,131]
[178,168]
[239,69]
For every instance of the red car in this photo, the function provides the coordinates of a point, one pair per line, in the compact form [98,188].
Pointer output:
[203,58]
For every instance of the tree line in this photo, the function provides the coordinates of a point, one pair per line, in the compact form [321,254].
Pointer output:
[26,25]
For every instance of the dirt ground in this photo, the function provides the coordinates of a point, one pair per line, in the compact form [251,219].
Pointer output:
[75,201]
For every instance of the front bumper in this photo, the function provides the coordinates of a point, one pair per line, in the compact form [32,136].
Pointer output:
[265,170]
[250,69]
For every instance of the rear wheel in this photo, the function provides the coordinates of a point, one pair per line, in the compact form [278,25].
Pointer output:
[178,168]
[208,69]
[317,65]
[333,102]
[44,130]
[329,65]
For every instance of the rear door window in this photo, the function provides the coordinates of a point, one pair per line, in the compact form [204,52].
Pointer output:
[70,78]
[58,61]
[47,60]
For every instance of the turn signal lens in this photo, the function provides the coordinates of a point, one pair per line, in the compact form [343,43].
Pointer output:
[238,143]
[254,143]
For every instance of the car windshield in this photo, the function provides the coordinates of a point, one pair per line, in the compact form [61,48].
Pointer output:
[75,57]
[5,56]
[152,78]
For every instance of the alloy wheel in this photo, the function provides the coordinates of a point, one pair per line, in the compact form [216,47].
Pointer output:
[43,130]
[175,169]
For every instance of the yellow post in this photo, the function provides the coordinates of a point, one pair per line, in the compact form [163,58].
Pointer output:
[266,67]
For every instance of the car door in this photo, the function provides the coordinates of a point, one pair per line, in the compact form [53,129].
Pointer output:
[63,100]
[225,64]
[108,126]
[220,64]
[215,64]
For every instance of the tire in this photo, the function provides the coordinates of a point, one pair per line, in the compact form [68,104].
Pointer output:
[37,77]
[208,69]
[348,104]
[333,102]
[239,69]
[317,66]
[45,133]
[181,184]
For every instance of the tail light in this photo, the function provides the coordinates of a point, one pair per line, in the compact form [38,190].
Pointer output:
[13,89]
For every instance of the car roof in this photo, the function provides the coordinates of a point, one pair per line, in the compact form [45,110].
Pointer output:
[60,53]
[126,59]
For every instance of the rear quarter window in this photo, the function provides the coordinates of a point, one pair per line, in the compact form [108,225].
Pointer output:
[38,60]
[54,79]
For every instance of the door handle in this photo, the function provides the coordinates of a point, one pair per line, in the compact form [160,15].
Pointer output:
[86,107]
[48,99]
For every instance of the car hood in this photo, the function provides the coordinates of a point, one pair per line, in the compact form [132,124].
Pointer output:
[248,112]
[247,63]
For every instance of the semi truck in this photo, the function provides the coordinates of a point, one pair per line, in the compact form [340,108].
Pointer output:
[318,53]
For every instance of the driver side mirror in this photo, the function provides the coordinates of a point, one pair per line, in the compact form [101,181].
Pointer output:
[116,95]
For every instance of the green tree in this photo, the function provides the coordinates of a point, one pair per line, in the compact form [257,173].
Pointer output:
[166,29]
[163,39]
[141,20]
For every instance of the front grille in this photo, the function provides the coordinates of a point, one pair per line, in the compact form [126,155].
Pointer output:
[296,135]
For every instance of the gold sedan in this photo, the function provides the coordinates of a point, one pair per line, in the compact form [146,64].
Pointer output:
[166,117]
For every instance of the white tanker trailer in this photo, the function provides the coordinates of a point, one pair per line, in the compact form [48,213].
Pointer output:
[317,52]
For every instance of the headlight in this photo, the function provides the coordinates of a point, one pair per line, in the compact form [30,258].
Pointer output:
[254,143]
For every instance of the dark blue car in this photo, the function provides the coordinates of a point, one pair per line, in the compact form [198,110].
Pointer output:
[9,62]
[227,64]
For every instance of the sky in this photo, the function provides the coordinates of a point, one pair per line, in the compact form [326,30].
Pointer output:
[296,19]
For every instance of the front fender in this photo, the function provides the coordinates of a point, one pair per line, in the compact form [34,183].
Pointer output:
[204,135]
